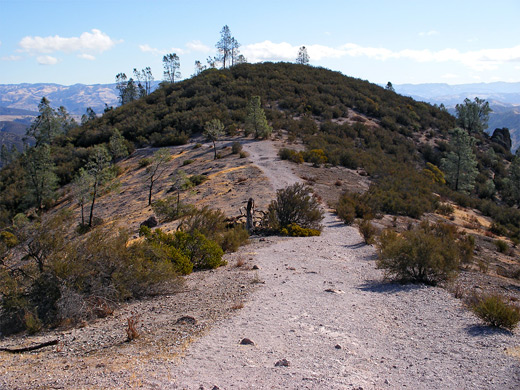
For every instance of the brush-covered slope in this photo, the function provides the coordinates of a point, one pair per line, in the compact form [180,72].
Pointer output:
[287,91]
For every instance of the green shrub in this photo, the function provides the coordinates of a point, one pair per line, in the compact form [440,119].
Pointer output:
[201,251]
[494,311]
[295,230]
[236,147]
[187,162]
[294,205]
[144,231]
[445,209]
[367,231]
[171,208]
[144,162]
[466,248]
[316,157]
[428,254]
[351,206]
[196,180]
[32,323]
[207,221]
[233,238]
[9,239]
[502,246]
[243,154]
[291,155]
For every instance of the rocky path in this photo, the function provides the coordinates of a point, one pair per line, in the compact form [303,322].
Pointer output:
[324,309]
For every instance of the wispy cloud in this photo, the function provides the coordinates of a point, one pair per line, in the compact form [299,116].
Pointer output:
[86,56]
[95,41]
[485,59]
[11,58]
[47,60]
[198,46]
[160,52]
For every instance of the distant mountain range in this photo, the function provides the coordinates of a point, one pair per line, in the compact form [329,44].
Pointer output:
[503,98]
[19,102]
[75,98]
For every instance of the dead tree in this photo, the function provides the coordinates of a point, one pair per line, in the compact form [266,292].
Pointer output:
[250,211]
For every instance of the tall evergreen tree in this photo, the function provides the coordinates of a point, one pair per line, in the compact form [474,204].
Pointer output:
[117,145]
[40,177]
[100,173]
[81,187]
[303,56]
[473,116]
[256,121]
[225,47]
[46,125]
[460,165]
[171,65]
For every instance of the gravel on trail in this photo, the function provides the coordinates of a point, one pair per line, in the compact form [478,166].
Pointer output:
[326,310]
[321,317]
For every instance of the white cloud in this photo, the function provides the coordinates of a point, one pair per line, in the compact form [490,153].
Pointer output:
[95,41]
[160,52]
[479,60]
[450,76]
[87,56]
[270,51]
[198,46]
[47,60]
[428,33]
[10,58]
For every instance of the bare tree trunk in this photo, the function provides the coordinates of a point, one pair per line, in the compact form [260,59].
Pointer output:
[249,215]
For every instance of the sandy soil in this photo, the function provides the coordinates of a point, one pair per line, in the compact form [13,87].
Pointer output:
[319,303]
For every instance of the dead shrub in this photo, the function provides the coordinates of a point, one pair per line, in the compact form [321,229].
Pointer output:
[131,331]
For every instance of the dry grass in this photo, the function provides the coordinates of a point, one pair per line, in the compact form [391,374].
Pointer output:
[237,306]
[131,331]
[240,262]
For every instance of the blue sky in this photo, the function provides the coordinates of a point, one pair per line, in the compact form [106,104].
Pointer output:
[401,41]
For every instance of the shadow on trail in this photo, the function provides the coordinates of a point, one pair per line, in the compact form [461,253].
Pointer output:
[483,330]
[356,246]
[383,287]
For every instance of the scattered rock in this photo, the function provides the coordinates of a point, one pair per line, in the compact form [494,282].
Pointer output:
[331,290]
[215,388]
[255,267]
[246,341]
[337,346]
[282,363]
[150,222]
[186,320]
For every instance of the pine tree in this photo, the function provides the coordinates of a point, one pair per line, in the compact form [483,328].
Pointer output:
[117,145]
[256,121]
[303,56]
[100,173]
[460,165]
[473,116]
[41,179]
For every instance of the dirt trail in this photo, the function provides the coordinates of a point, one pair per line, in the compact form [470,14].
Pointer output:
[321,305]
[324,309]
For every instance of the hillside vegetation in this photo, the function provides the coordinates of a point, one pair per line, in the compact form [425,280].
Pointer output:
[318,104]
